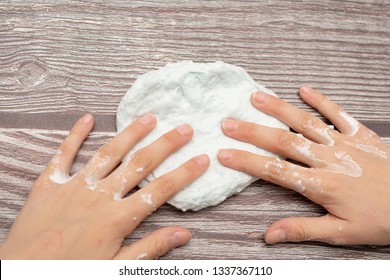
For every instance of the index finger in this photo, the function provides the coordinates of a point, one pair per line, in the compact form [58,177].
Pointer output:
[149,198]
[68,149]
[301,121]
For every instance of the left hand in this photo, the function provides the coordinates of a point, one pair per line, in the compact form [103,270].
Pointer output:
[346,171]
[88,215]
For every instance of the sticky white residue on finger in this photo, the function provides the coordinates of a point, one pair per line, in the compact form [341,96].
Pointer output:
[304,149]
[89,180]
[91,187]
[139,170]
[99,164]
[274,168]
[124,181]
[325,133]
[312,183]
[369,149]
[346,165]
[147,198]
[354,125]
[142,256]
[59,177]
[316,184]
[297,182]
[105,162]
[371,137]
[117,196]
[299,187]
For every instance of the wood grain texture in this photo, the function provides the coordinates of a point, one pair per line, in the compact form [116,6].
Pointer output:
[60,59]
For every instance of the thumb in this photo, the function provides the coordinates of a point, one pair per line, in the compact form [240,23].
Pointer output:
[326,228]
[155,245]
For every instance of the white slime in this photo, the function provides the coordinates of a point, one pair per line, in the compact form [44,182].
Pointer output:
[201,95]
[59,177]
[353,123]
[346,165]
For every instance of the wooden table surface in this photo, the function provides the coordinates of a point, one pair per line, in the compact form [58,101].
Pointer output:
[61,59]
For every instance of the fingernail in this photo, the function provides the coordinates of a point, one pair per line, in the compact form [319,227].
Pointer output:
[184,130]
[229,125]
[305,89]
[180,238]
[224,154]
[203,160]
[147,119]
[276,236]
[87,118]
[260,97]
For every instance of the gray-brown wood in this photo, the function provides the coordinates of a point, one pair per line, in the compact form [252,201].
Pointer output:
[61,59]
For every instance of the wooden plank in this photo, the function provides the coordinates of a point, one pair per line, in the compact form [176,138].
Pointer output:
[53,60]
[105,123]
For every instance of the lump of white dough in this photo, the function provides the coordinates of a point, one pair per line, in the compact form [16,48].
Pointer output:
[201,95]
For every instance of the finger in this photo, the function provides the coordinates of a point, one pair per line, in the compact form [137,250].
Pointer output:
[110,154]
[144,161]
[303,122]
[328,228]
[155,245]
[149,198]
[330,110]
[300,179]
[67,151]
[279,141]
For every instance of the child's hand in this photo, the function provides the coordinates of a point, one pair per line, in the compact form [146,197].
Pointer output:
[87,216]
[347,172]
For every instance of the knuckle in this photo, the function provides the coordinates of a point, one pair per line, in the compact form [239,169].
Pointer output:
[308,122]
[133,133]
[159,248]
[190,168]
[333,107]
[286,139]
[338,238]
[276,170]
[325,104]
[326,193]
[107,150]
[247,130]
[78,131]
[321,101]
[142,159]
[65,147]
[298,233]
[136,131]
[165,186]
[172,140]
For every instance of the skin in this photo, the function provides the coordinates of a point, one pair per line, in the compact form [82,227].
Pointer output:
[87,216]
[344,171]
